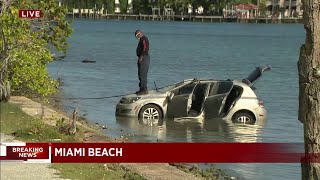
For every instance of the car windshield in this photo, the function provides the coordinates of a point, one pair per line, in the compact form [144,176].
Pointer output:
[171,87]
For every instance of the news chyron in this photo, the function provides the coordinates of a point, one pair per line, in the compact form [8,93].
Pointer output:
[25,152]
[60,152]
[30,14]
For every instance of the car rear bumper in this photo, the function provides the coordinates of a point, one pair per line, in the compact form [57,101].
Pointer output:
[261,115]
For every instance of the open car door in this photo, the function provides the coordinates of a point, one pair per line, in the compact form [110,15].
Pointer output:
[216,99]
[178,105]
[256,75]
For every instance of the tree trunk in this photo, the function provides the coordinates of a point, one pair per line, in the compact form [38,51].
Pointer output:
[309,86]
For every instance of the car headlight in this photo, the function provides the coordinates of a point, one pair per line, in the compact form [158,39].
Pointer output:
[131,100]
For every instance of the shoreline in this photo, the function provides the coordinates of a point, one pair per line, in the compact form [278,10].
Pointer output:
[89,132]
[189,18]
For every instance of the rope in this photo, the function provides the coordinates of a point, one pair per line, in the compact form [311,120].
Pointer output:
[105,97]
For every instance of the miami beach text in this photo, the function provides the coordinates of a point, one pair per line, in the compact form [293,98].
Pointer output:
[88,151]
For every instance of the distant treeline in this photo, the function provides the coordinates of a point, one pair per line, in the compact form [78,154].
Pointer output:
[145,6]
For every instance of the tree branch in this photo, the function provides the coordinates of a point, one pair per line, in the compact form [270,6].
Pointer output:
[4,5]
[4,50]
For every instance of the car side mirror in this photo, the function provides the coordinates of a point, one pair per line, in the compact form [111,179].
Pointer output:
[171,96]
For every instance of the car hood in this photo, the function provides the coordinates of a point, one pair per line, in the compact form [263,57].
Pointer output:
[151,93]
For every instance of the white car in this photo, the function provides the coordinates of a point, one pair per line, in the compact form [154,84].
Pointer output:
[200,98]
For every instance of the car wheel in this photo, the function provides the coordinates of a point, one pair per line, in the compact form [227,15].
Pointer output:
[243,118]
[150,111]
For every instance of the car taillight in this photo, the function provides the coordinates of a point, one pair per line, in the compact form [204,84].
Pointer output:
[261,103]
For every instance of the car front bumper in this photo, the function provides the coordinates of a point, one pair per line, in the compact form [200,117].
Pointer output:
[129,110]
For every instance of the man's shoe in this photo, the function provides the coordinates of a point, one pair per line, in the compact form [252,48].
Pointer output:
[142,92]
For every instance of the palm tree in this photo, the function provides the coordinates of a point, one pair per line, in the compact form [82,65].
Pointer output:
[290,8]
[169,3]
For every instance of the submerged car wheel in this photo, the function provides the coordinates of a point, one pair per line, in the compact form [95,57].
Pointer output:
[150,111]
[243,118]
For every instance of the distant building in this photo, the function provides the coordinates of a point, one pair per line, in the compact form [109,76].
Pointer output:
[284,8]
[130,7]
[244,11]
[190,8]
[117,6]
[199,10]
[241,11]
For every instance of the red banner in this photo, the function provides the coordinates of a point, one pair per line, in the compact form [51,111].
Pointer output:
[26,152]
[175,152]
[157,152]
[24,13]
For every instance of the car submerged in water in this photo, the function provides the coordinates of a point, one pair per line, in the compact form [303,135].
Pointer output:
[200,98]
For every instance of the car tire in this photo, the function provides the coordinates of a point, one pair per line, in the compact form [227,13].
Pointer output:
[150,111]
[243,118]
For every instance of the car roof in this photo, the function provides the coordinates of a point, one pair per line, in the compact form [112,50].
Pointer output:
[235,82]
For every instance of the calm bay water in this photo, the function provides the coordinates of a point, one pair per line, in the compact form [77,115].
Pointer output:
[181,50]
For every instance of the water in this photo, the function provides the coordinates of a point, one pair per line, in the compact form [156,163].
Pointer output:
[181,50]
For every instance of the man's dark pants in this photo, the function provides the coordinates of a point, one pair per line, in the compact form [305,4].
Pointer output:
[143,68]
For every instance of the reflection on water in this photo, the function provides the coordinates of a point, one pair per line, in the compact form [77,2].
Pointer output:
[190,130]
[208,130]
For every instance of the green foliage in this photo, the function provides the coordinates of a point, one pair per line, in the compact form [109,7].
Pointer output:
[84,4]
[123,6]
[28,41]
[244,1]
[144,6]
[61,125]
[110,6]
[136,6]
[262,7]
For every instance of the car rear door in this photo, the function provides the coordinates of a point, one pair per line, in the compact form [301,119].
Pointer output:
[216,98]
[178,105]
[255,75]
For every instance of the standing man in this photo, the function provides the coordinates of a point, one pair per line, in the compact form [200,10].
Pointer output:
[143,61]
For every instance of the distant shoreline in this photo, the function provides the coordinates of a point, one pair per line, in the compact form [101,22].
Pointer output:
[189,18]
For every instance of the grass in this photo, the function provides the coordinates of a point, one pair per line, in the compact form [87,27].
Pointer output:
[26,128]
[95,171]
[210,173]
[15,122]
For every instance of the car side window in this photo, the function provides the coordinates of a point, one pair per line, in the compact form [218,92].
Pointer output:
[213,89]
[187,89]
[220,88]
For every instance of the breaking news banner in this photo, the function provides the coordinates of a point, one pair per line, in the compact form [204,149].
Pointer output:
[155,153]
[26,152]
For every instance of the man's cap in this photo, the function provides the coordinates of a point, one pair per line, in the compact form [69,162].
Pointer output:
[137,31]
